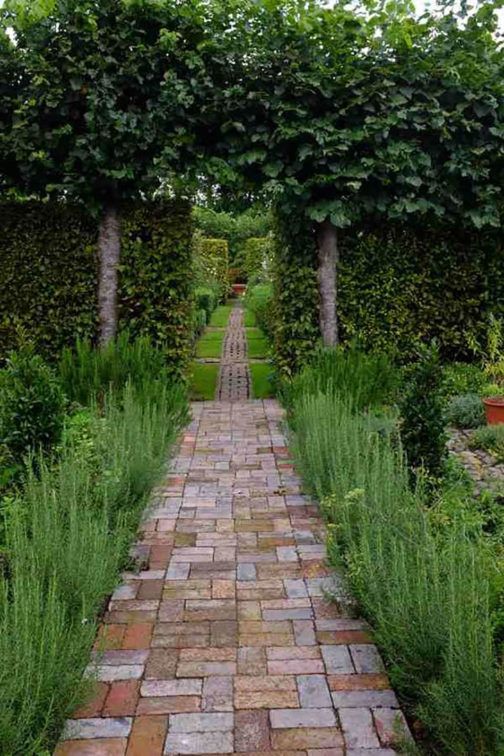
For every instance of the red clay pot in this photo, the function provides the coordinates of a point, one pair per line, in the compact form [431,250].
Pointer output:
[494,409]
[239,288]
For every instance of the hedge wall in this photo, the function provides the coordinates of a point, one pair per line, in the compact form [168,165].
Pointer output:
[258,252]
[296,327]
[400,287]
[156,276]
[397,288]
[213,261]
[48,275]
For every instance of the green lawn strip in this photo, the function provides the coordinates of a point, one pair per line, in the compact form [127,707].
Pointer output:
[220,316]
[257,343]
[261,373]
[249,319]
[210,344]
[203,380]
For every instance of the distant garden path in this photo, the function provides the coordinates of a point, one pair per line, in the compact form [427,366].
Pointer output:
[226,642]
[234,375]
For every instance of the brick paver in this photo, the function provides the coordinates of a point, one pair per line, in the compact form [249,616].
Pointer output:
[226,641]
[234,376]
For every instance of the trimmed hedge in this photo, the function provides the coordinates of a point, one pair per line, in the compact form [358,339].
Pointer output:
[296,327]
[400,287]
[156,277]
[48,276]
[258,252]
[212,260]
[397,288]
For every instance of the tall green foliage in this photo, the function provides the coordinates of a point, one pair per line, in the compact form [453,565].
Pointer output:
[427,593]
[67,537]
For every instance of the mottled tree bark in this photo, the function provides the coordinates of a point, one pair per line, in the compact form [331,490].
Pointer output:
[109,251]
[327,243]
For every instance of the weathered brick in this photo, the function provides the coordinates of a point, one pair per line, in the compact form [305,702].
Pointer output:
[137,636]
[110,727]
[161,664]
[101,747]
[364,698]
[169,705]
[296,718]
[93,706]
[205,669]
[366,658]
[192,687]
[313,691]
[122,699]
[199,743]
[252,661]
[251,731]
[266,699]
[147,736]
[337,659]
[217,694]
[215,722]
[391,726]
[306,738]
[358,729]
[358,682]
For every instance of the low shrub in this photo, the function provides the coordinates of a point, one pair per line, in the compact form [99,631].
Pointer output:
[369,380]
[422,415]
[32,405]
[463,378]
[427,593]
[66,540]
[491,439]
[207,299]
[465,411]
[87,373]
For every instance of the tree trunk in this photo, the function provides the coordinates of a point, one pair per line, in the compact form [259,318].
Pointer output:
[109,250]
[327,242]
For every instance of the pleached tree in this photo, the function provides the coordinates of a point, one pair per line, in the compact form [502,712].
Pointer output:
[107,94]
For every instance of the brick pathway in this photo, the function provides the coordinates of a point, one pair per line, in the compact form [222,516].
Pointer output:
[225,643]
[234,376]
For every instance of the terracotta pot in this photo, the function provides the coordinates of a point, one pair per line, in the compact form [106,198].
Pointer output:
[494,409]
[239,288]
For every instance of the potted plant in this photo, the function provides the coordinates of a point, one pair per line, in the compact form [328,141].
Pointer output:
[494,404]
[493,367]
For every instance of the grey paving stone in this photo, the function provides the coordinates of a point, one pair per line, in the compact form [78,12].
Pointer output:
[313,691]
[97,727]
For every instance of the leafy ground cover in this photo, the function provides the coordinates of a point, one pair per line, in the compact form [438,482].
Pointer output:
[203,379]
[67,521]
[423,563]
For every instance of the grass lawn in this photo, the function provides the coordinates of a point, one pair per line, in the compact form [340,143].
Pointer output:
[220,316]
[261,384]
[257,343]
[210,344]
[249,319]
[203,380]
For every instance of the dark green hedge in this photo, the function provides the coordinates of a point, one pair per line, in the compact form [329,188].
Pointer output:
[400,287]
[48,272]
[397,288]
[156,276]
[296,328]
[48,275]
